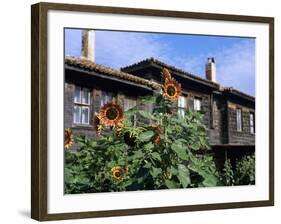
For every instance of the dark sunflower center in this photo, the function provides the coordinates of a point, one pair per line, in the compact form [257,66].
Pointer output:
[66,137]
[112,113]
[117,173]
[171,90]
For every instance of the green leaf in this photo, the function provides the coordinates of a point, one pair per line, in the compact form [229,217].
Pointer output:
[131,111]
[155,171]
[179,149]
[146,114]
[183,141]
[184,175]
[210,181]
[171,184]
[156,155]
[148,146]
[146,136]
[174,171]
[93,144]
[81,179]
[67,175]
[138,154]
[147,165]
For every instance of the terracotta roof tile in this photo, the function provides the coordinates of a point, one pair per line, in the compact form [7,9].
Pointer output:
[91,66]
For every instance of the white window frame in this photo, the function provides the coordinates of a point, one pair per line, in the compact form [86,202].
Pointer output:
[239,124]
[252,124]
[80,104]
[197,104]
[182,105]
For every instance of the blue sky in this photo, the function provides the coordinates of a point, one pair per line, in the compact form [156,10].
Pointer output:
[234,56]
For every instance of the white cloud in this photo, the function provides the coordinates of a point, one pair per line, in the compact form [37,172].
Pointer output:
[117,49]
[236,67]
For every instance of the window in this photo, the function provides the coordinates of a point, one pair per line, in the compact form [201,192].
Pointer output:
[82,101]
[182,105]
[252,123]
[239,119]
[197,104]
[105,98]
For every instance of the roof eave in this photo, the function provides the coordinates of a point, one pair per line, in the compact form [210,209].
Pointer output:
[209,84]
[108,77]
[241,95]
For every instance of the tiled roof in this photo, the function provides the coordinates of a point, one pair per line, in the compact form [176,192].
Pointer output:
[91,66]
[237,92]
[169,67]
[187,74]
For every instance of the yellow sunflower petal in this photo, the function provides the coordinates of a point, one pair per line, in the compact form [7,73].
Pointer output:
[68,138]
[166,74]
[117,173]
[111,114]
[171,89]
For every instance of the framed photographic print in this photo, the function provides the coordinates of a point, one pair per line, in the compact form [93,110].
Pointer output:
[138,111]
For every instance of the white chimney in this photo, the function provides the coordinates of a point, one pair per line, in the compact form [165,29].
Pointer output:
[211,70]
[88,46]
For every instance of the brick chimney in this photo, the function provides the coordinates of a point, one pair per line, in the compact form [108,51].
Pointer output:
[211,70]
[88,46]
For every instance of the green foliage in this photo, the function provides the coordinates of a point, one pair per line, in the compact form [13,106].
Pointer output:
[245,170]
[179,159]
[228,174]
[242,174]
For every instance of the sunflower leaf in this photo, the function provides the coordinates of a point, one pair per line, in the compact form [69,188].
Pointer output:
[146,136]
[183,176]
[179,149]
[155,171]
[156,156]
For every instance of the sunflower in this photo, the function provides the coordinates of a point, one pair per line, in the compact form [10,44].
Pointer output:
[166,74]
[171,89]
[117,173]
[97,124]
[68,138]
[111,114]
[156,137]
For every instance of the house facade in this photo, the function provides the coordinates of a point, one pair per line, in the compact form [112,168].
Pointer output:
[229,114]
